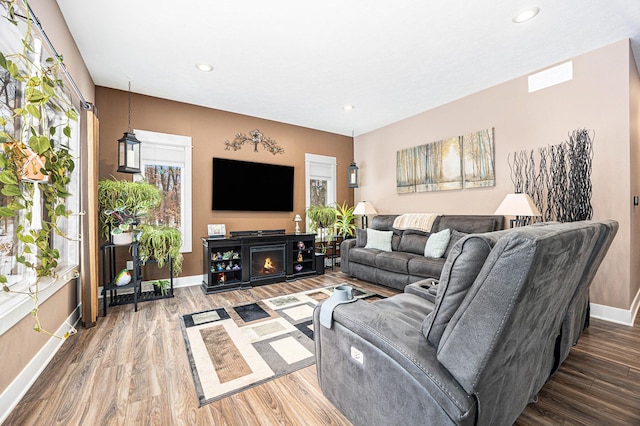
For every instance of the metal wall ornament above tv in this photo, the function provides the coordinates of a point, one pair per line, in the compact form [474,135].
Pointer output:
[462,161]
[256,138]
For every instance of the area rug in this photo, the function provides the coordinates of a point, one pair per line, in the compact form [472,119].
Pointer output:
[232,349]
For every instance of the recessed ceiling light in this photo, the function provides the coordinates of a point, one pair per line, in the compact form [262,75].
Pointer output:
[348,107]
[204,67]
[525,15]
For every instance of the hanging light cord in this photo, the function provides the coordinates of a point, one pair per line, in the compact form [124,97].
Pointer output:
[85,105]
[129,119]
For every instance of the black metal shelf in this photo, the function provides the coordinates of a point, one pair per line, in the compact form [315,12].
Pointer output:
[110,290]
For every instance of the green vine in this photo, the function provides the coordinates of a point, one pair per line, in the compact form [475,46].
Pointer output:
[138,198]
[160,242]
[31,159]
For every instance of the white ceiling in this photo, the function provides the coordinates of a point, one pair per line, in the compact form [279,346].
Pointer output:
[300,62]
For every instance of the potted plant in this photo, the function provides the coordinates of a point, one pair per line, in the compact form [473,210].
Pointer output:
[35,159]
[345,220]
[160,242]
[124,203]
[322,219]
[124,223]
[161,287]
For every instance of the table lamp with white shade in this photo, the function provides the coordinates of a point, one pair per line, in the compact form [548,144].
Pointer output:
[518,205]
[364,208]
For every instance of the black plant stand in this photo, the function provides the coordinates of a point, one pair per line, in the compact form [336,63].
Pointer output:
[110,289]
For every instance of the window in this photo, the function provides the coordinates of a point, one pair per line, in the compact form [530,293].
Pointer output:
[320,180]
[16,305]
[165,161]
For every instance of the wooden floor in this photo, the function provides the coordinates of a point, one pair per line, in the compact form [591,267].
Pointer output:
[132,369]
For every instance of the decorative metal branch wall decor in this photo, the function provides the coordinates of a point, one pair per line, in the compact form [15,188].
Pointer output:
[452,163]
[256,138]
[560,186]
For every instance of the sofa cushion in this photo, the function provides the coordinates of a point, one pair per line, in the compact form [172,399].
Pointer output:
[394,261]
[455,237]
[383,222]
[437,244]
[426,267]
[363,256]
[460,271]
[380,240]
[473,224]
[413,241]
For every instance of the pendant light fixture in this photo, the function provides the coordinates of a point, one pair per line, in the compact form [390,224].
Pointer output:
[129,148]
[352,171]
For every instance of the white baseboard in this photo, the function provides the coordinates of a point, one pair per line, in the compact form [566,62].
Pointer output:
[27,377]
[188,281]
[617,315]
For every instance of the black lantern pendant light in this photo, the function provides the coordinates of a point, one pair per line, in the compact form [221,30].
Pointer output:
[352,172]
[129,148]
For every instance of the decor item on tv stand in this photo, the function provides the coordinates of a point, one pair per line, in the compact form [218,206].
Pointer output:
[216,230]
[297,219]
[364,208]
[519,206]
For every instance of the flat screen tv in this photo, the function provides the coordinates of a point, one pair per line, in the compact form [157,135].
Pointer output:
[248,186]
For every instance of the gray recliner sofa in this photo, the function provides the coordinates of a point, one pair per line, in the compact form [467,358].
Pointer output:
[406,263]
[508,308]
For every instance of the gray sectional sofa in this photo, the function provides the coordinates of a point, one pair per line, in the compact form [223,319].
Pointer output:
[508,308]
[406,262]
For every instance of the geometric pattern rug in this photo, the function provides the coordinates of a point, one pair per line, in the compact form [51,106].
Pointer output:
[234,348]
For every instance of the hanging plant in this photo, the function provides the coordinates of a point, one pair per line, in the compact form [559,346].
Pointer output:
[122,200]
[161,242]
[35,166]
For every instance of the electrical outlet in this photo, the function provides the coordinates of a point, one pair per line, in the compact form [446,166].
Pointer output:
[357,355]
[129,264]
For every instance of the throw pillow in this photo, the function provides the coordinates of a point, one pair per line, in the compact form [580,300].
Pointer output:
[437,244]
[455,237]
[380,240]
[361,237]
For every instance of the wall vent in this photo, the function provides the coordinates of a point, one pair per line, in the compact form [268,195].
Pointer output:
[550,77]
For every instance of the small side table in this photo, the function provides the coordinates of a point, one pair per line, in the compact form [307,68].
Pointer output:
[320,263]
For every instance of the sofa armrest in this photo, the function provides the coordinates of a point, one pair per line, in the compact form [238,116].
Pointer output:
[345,246]
[427,289]
[369,364]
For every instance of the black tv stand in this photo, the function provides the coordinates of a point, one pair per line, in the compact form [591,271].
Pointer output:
[258,233]
[238,261]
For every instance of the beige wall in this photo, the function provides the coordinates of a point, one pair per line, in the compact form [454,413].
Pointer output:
[209,129]
[596,98]
[20,344]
